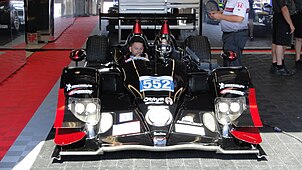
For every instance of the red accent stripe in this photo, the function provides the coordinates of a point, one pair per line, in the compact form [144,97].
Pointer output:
[60,109]
[232,9]
[254,108]
[247,134]
[256,51]
[68,136]
[228,9]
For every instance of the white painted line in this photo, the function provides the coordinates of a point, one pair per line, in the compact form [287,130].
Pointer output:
[30,158]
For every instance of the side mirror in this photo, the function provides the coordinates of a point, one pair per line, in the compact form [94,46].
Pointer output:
[77,55]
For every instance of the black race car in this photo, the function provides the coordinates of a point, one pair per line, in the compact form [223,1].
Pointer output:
[9,18]
[178,99]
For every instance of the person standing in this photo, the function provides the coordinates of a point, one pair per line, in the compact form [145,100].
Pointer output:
[234,25]
[282,35]
[297,21]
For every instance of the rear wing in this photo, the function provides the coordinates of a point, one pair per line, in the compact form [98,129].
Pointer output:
[151,21]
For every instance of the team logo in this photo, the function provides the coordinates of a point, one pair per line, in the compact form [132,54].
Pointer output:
[78,89]
[239,5]
[154,100]
[230,91]
[168,101]
[222,86]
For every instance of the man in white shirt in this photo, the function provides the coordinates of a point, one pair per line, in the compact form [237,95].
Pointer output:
[234,25]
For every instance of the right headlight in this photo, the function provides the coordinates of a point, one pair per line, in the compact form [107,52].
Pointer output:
[86,110]
[229,109]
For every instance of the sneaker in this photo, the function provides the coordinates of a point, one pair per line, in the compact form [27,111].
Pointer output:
[273,69]
[299,64]
[284,72]
[252,38]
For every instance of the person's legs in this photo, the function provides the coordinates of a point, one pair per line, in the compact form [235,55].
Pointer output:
[274,58]
[298,44]
[235,41]
[279,50]
[228,40]
[297,21]
[251,29]
[281,39]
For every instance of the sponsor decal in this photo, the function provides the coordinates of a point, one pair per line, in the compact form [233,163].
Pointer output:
[160,134]
[189,123]
[78,89]
[239,4]
[73,92]
[168,101]
[124,117]
[70,87]
[225,91]
[158,100]
[126,128]
[159,141]
[197,130]
[222,86]
[154,100]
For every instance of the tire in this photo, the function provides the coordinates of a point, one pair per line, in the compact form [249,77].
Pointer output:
[97,49]
[200,46]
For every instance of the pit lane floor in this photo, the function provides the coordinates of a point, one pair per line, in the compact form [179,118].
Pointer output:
[279,101]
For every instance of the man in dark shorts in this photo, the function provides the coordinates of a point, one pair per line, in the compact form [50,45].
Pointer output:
[297,21]
[282,30]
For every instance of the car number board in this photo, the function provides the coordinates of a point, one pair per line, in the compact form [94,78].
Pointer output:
[156,83]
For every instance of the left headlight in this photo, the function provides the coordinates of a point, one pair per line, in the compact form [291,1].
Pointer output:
[87,110]
[229,109]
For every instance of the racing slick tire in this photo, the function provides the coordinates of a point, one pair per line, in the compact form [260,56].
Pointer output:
[97,49]
[200,46]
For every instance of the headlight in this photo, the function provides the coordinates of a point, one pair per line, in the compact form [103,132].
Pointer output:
[209,121]
[234,107]
[79,108]
[106,122]
[229,109]
[91,107]
[223,107]
[86,110]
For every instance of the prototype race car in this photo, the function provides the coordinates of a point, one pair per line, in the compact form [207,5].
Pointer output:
[177,99]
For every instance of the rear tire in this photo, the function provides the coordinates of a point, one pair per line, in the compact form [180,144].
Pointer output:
[200,46]
[97,49]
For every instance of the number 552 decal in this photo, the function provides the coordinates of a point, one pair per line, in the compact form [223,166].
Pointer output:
[152,83]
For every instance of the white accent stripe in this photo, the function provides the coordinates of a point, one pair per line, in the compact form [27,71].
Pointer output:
[29,160]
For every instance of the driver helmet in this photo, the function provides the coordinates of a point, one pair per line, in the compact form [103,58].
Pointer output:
[163,47]
[164,42]
[137,35]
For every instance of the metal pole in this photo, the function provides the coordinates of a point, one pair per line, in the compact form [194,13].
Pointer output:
[200,16]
